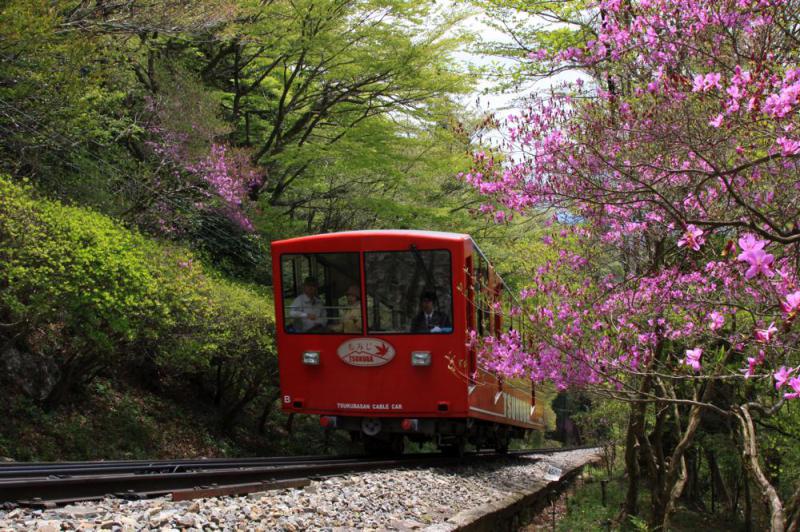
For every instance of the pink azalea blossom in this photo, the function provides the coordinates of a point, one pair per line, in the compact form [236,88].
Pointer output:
[751,367]
[752,363]
[792,304]
[716,121]
[794,383]
[705,83]
[539,54]
[781,376]
[749,242]
[753,254]
[788,146]
[765,335]
[717,321]
[693,358]
[693,238]
[759,261]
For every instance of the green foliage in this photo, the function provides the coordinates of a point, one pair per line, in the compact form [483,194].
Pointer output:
[605,421]
[347,105]
[585,509]
[638,523]
[74,270]
[57,84]
[89,296]
[529,27]
[347,109]
[605,424]
[780,444]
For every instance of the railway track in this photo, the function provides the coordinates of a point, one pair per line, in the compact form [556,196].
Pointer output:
[46,484]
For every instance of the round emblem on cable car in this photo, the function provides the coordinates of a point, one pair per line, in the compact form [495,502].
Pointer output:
[366,352]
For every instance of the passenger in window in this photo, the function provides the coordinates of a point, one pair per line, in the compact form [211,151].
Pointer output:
[307,309]
[430,320]
[351,315]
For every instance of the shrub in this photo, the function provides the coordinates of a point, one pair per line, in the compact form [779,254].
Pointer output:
[80,294]
[76,288]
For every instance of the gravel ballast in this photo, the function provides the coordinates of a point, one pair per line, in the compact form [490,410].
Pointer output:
[395,500]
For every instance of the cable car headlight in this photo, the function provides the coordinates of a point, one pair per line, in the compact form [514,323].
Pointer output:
[420,358]
[311,358]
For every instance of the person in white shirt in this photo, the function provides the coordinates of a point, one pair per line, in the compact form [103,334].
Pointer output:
[307,308]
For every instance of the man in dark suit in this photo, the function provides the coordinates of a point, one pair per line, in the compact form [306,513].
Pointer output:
[430,320]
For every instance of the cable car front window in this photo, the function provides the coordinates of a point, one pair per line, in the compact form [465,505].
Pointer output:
[409,291]
[321,293]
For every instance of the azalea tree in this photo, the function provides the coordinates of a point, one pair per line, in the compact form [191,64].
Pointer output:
[671,182]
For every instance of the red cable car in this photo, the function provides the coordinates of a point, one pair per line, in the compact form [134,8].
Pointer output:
[372,337]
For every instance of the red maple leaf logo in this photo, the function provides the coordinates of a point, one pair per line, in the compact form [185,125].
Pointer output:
[381,350]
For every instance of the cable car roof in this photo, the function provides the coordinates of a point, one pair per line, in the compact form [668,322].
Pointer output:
[439,235]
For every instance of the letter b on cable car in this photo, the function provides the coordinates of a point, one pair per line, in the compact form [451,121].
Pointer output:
[366,352]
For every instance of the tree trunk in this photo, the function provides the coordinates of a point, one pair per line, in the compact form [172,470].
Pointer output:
[721,491]
[653,456]
[748,504]
[635,429]
[230,415]
[249,395]
[219,384]
[768,491]
[676,475]
[265,412]
[793,511]
[692,494]
[675,479]
[674,494]
[67,379]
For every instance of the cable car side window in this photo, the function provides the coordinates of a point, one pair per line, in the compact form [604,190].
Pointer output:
[321,293]
[409,292]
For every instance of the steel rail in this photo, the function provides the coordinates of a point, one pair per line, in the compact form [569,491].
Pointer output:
[74,481]
[80,487]
[47,469]
[167,461]
[143,467]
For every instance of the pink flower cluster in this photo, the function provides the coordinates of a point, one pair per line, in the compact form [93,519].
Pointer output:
[632,183]
[225,173]
[230,176]
[693,358]
[784,376]
[754,255]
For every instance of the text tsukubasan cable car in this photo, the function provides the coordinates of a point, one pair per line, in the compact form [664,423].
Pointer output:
[372,337]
